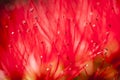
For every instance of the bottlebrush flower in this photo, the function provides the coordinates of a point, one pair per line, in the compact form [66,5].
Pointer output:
[60,40]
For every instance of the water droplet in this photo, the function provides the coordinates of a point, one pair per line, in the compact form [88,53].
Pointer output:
[28,30]
[47,69]
[93,50]
[86,65]
[41,57]
[58,32]
[98,3]
[31,9]
[91,13]
[91,41]
[6,26]
[70,69]
[9,46]
[12,33]
[107,33]
[18,31]
[24,22]
[16,66]
[58,53]
[93,25]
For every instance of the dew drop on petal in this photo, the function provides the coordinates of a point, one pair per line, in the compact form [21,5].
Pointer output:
[107,33]
[91,41]
[47,69]
[58,32]
[9,46]
[31,9]
[98,3]
[24,22]
[91,13]
[93,25]
[18,31]
[86,65]
[41,57]
[12,33]
[69,69]
[28,30]
[6,26]
[16,66]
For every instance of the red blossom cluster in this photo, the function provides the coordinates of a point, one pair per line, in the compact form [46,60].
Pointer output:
[59,40]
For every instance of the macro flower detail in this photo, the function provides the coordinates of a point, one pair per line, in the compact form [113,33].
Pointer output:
[59,40]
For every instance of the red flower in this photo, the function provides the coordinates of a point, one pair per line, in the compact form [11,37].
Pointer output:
[60,40]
